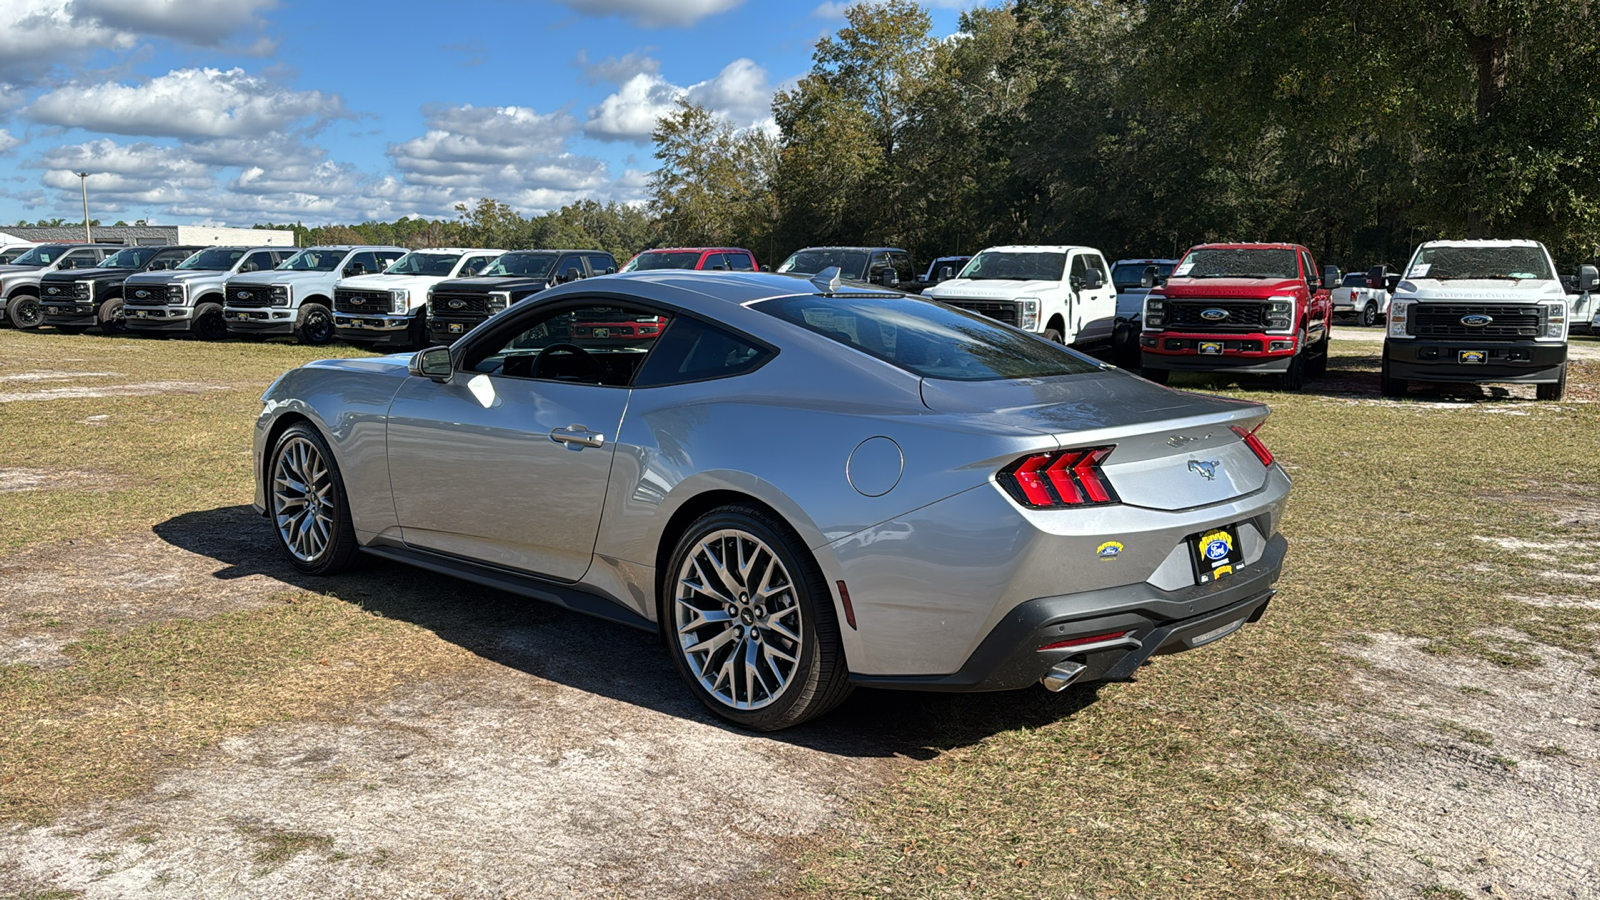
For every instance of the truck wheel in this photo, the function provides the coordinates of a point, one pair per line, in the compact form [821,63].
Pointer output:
[1159,376]
[1553,391]
[1294,377]
[1369,314]
[24,312]
[113,318]
[1053,334]
[1391,387]
[316,325]
[208,323]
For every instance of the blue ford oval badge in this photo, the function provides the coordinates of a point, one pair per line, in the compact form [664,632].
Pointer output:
[1476,320]
[1213,315]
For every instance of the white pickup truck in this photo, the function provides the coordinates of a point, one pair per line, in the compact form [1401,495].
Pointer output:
[1062,292]
[392,307]
[1356,299]
[1478,312]
[297,297]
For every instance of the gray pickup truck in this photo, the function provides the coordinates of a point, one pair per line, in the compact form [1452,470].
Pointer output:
[188,299]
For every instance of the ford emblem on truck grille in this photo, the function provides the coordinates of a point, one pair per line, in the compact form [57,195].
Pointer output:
[53,290]
[357,301]
[1213,315]
[1476,320]
[141,294]
[243,295]
[457,304]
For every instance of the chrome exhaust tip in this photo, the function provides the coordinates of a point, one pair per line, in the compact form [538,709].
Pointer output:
[1061,675]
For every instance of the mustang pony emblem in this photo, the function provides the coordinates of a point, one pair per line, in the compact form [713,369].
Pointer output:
[1206,467]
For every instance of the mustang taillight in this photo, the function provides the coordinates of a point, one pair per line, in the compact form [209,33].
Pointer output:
[1255,445]
[1062,478]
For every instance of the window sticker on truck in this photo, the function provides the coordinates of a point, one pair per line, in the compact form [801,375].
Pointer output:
[1420,270]
[1182,270]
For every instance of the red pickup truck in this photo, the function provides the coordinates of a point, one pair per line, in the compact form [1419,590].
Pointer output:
[1241,308]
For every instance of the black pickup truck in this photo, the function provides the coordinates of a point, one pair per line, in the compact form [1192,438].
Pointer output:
[75,300]
[455,307]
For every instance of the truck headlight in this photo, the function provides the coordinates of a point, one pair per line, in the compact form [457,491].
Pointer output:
[498,300]
[1028,313]
[1155,313]
[399,300]
[1399,312]
[1555,320]
[1280,314]
[282,294]
[429,302]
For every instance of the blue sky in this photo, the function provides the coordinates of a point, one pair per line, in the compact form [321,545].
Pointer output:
[243,111]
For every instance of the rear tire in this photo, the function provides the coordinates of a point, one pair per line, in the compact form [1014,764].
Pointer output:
[208,323]
[749,620]
[1159,376]
[315,327]
[1390,387]
[113,318]
[1553,391]
[307,504]
[24,312]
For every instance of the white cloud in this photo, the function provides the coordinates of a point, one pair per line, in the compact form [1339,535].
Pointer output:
[39,34]
[740,93]
[7,141]
[617,69]
[186,103]
[653,13]
[201,22]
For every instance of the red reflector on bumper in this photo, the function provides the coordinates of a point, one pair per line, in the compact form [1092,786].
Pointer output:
[1079,642]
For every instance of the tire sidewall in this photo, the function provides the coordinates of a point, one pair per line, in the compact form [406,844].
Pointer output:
[341,542]
[29,321]
[315,314]
[112,319]
[207,313]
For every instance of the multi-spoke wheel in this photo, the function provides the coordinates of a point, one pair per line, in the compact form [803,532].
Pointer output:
[315,327]
[307,503]
[751,621]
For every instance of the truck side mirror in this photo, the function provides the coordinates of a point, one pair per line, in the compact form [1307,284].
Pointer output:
[889,277]
[1377,276]
[1092,280]
[1392,282]
[1588,279]
[1330,277]
[945,274]
[354,269]
[1149,278]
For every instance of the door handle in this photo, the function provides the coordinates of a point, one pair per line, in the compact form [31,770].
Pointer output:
[577,437]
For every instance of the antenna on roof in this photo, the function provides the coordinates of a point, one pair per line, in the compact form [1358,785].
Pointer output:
[827,281]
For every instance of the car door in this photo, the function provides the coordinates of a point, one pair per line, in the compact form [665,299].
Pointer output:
[1094,309]
[601,264]
[1320,305]
[81,258]
[507,462]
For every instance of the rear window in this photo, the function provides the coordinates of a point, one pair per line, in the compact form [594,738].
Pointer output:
[929,339]
[1355,279]
[671,259]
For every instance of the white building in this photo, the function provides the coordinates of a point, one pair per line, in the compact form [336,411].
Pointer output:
[154,235]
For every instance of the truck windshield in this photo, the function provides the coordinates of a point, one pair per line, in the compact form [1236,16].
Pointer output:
[1016,265]
[437,264]
[851,263]
[1239,262]
[1127,276]
[42,255]
[1448,263]
[531,265]
[928,339]
[314,259]
[216,259]
[131,258]
[654,259]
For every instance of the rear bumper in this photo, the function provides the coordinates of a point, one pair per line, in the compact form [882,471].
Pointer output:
[1522,362]
[1152,622]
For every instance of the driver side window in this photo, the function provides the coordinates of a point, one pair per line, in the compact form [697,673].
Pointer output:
[601,343]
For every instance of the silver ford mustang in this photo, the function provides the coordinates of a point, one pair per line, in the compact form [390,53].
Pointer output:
[802,485]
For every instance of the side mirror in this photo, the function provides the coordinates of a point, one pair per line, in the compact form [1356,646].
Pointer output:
[610,270]
[889,277]
[1092,281]
[1377,276]
[1149,278]
[432,363]
[1392,282]
[354,269]
[1330,277]
[945,274]
[766,268]
[1588,279]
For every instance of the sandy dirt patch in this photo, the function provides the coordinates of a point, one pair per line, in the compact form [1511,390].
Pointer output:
[144,389]
[12,480]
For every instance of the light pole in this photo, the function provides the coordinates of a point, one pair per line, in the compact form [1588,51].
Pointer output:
[83,181]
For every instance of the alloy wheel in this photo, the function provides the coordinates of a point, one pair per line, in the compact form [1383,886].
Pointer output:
[302,499]
[737,619]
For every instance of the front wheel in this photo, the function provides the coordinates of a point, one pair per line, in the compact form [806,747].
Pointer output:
[315,326]
[1294,377]
[751,621]
[24,312]
[208,323]
[307,503]
[113,318]
[1054,336]
[1553,391]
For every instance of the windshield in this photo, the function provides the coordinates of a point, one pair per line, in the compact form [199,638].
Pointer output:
[1240,262]
[1456,263]
[928,339]
[42,255]
[216,259]
[1016,265]
[851,263]
[437,264]
[131,258]
[663,259]
[1127,276]
[532,265]
[314,259]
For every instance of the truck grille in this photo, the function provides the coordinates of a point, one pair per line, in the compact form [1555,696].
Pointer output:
[1508,322]
[1243,315]
[57,291]
[470,305]
[153,295]
[254,295]
[348,300]
[1001,310]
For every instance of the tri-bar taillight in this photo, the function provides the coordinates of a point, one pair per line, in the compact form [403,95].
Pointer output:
[1255,445]
[1062,478]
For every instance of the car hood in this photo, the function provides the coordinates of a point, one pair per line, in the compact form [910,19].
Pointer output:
[390,364]
[86,274]
[8,269]
[493,282]
[1220,288]
[1529,291]
[169,276]
[279,276]
[989,288]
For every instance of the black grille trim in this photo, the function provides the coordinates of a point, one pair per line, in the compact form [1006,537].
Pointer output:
[1510,322]
[473,306]
[371,302]
[999,310]
[1243,315]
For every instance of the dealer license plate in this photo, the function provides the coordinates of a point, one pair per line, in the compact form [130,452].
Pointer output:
[456,328]
[1210,348]
[141,314]
[1472,357]
[239,316]
[1217,554]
